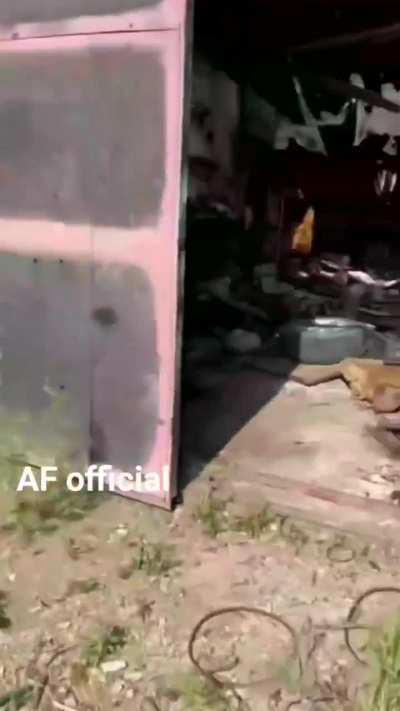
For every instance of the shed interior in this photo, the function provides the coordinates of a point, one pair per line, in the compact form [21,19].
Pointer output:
[292,234]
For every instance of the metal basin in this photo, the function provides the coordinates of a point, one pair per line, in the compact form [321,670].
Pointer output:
[324,341]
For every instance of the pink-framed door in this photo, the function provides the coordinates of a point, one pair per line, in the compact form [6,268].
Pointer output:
[91,126]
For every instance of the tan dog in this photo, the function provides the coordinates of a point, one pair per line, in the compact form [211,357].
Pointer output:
[370,380]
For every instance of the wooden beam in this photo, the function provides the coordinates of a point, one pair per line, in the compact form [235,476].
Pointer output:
[350,91]
[377,34]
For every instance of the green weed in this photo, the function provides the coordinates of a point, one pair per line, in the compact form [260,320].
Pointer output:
[99,649]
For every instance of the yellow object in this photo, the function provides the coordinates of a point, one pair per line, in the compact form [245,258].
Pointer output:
[304,234]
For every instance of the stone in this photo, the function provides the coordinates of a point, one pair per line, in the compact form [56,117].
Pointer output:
[242,342]
[133,676]
[114,666]
[64,625]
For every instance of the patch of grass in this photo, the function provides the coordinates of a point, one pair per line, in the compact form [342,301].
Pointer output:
[5,622]
[198,694]
[50,437]
[211,514]
[155,559]
[80,672]
[42,513]
[18,699]
[215,519]
[384,687]
[256,524]
[293,534]
[99,649]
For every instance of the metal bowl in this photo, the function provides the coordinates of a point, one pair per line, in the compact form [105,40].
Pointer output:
[324,341]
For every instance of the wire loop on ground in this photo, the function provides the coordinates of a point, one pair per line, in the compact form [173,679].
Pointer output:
[211,675]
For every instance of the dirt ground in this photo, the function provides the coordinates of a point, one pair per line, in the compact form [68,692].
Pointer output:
[98,614]
[67,592]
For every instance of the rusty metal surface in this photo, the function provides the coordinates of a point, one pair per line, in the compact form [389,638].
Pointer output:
[109,169]
[45,358]
[51,10]
[134,377]
[126,392]
[44,18]
[90,152]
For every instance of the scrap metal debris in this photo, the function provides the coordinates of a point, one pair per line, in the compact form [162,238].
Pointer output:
[295,654]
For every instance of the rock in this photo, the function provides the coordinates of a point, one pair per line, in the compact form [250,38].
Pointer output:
[114,666]
[64,625]
[202,350]
[133,676]
[122,531]
[119,533]
[243,342]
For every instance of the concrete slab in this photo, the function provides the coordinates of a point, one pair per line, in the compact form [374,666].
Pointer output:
[307,451]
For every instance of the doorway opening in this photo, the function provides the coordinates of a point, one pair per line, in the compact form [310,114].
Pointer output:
[293,254]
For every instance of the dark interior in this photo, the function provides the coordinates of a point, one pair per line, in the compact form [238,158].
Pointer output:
[312,151]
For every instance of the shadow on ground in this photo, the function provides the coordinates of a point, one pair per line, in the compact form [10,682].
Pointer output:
[211,420]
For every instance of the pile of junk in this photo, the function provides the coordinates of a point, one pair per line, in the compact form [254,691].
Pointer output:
[309,317]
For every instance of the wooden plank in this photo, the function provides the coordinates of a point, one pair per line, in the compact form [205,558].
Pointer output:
[310,452]
[330,507]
